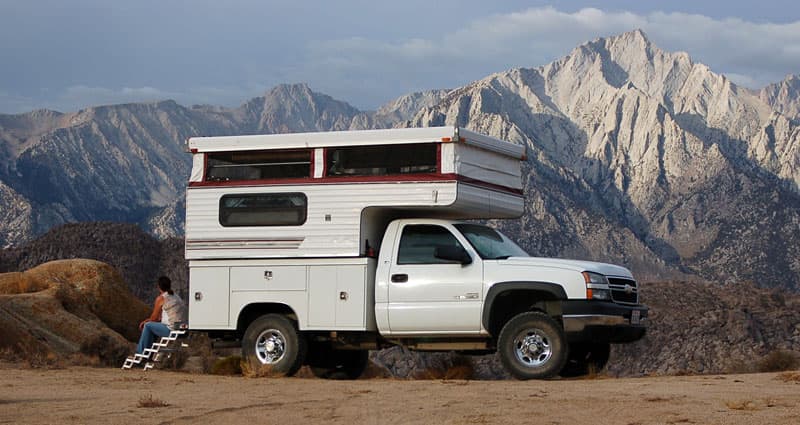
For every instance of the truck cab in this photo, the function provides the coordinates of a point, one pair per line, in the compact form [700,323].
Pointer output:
[464,282]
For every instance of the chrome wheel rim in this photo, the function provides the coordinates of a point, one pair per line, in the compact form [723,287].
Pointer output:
[270,346]
[532,347]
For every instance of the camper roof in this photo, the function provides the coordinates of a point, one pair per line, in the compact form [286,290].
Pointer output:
[353,138]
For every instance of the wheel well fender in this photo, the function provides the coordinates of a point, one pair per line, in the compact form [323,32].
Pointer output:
[253,311]
[506,299]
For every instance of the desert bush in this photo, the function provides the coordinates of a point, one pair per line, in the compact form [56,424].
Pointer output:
[150,402]
[789,377]
[260,371]
[44,360]
[455,367]
[779,361]
[748,405]
[231,365]
[107,350]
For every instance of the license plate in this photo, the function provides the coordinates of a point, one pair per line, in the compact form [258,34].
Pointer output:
[636,317]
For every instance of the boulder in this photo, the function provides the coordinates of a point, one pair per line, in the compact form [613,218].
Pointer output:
[62,307]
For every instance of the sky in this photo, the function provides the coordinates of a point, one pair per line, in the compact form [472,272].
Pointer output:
[69,54]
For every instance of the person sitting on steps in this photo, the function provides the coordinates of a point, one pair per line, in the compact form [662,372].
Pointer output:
[169,313]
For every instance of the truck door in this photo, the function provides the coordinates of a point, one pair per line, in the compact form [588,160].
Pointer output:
[428,294]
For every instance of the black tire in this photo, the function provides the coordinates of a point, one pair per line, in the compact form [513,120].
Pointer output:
[532,346]
[272,346]
[585,358]
[341,364]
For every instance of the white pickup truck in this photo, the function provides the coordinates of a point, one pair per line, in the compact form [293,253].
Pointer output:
[314,248]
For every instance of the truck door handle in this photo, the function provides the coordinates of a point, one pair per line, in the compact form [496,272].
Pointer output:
[399,278]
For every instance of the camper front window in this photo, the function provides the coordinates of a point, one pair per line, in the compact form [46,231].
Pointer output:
[381,160]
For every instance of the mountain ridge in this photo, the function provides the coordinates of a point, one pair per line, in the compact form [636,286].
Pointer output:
[636,155]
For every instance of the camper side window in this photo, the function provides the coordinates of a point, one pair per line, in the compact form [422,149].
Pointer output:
[381,160]
[263,209]
[258,165]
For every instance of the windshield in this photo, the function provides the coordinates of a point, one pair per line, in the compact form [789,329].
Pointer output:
[490,244]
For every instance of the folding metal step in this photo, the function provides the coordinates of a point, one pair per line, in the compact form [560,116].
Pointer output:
[151,355]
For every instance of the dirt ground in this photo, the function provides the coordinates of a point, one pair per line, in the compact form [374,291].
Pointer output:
[82,395]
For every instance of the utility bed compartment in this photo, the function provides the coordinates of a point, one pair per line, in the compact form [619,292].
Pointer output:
[326,294]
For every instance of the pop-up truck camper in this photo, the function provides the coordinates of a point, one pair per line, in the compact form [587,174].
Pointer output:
[313,248]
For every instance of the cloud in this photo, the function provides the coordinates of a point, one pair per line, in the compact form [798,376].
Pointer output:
[363,62]
[752,53]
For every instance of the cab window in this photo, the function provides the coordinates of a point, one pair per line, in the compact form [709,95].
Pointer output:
[418,244]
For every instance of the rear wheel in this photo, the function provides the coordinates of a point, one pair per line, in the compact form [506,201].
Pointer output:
[586,358]
[532,346]
[272,346]
[339,364]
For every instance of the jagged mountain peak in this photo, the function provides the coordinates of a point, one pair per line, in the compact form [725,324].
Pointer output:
[294,108]
[784,96]
[404,107]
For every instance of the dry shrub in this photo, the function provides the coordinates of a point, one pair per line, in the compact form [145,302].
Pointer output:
[231,365]
[259,371]
[594,373]
[789,377]
[456,367]
[149,401]
[108,351]
[748,405]
[375,371]
[779,361]
[9,354]
[43,360]
[80,359]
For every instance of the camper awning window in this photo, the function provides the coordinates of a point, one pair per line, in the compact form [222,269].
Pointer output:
[381,160]
[258,165]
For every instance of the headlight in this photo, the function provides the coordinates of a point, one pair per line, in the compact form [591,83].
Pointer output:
[596,286]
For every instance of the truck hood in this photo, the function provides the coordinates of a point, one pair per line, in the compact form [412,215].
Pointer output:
[576,265]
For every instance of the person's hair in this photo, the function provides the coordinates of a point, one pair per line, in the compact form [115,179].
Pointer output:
[165,284]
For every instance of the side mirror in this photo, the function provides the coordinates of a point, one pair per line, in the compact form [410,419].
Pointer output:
[452,253]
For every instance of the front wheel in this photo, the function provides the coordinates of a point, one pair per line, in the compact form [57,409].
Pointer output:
[273,346]
[532,346]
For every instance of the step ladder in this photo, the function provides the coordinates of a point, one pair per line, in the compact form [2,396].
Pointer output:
[153,354]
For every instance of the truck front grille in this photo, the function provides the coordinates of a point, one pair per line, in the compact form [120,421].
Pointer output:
[624,290]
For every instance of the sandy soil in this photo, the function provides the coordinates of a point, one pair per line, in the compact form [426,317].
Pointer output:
[106,396]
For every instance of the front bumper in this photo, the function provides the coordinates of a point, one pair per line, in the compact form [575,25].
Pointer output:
[599,321]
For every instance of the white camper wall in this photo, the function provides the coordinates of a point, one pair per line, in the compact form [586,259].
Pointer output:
[332,227]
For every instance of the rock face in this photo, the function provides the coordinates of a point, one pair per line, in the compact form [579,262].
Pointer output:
[644,158]
[635,155]
[138,256]
[61,307]
[705,328]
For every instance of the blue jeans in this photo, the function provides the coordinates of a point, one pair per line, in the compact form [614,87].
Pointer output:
[150,332]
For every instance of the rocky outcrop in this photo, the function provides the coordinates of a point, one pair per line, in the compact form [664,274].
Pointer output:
[138,256]
[62,307]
